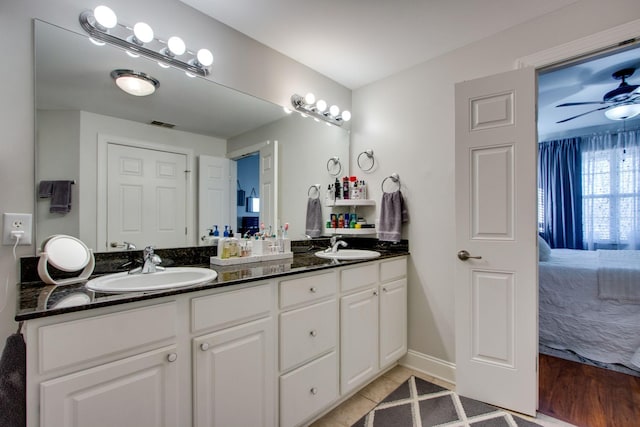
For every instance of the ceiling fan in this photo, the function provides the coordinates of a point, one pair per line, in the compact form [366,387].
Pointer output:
[623,96]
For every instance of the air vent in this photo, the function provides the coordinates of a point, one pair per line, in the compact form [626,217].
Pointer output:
[163,124]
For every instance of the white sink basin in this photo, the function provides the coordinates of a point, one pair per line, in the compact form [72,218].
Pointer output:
[349,254]
[170,277]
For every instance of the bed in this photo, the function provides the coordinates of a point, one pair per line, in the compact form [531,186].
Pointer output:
[589,303]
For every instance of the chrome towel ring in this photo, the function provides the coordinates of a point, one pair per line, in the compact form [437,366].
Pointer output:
[335,161]
[315,187]
[393,177]
[369,154]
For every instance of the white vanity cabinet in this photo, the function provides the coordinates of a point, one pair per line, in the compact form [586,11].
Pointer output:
[234,366]
[373,313]
[112,369]
[308,346]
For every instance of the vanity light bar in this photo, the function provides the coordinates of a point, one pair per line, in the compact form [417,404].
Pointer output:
[130,39]
[307,105]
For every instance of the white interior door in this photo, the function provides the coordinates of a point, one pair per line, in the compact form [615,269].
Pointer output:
[146,197]
[214,180]
[496,296]
[269,185]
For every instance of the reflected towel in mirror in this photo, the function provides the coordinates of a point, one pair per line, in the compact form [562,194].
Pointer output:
[60,193]
[314,218]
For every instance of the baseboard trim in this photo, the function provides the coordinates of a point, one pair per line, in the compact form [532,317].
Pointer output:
[430,365]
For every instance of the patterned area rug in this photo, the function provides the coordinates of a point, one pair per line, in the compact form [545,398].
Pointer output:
[419,403]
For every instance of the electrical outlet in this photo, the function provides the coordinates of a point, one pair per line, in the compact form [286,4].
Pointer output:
[13,223]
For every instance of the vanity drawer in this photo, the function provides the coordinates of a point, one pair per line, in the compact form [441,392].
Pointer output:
[359,277]
[393,269]
[230,308]
[80,341]
[307,289]
[308,389]
[307,332]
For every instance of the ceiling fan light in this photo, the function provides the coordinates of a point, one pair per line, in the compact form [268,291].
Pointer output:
[623,112]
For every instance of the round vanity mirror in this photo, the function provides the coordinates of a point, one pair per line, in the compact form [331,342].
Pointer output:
[67,254]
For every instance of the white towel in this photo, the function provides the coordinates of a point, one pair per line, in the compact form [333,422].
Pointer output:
[393,214]
[314,218]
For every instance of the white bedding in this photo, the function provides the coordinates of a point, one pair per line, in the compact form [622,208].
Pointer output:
[572,315]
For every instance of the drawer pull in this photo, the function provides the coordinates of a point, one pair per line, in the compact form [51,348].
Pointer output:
[172,357]
[313,390]
[204,346]
[313,333]
[313,289]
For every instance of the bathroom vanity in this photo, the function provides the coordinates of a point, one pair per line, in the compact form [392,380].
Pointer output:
[280,347]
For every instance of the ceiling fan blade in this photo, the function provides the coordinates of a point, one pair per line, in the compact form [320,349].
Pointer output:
[569,104]
[584,114]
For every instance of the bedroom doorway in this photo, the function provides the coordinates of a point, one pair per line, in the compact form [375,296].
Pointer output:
[588,316]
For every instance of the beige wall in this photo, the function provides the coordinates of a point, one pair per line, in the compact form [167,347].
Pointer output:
[408,121]
[241,63]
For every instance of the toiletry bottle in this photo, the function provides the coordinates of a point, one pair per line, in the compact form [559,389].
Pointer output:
[345,188]
[336,189]
[340,221]
[226,231]
[331,194]
[346,220]
[215,231]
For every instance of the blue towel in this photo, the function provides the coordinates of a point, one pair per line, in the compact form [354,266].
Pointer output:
[393,213]
[13,380]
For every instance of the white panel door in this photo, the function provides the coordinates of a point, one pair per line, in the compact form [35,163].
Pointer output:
[358,338]
[496,296]
[132,392]
[214,181]
[146,197]
[269,185]
[234,376]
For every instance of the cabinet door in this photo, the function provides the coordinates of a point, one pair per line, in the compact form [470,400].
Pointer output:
[234,376]
[359,338]
[137,391]
[393,321]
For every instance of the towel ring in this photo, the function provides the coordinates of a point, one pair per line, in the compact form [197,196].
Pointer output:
[317,188]
[369,154]
[336,161]
[393,177]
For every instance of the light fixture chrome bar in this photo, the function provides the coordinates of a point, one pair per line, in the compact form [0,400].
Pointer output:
[89,24]
[311,110]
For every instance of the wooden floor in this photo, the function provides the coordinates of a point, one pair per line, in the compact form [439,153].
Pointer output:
[587,396]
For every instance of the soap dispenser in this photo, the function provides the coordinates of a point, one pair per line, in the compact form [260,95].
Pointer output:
[215,231]
[225,233]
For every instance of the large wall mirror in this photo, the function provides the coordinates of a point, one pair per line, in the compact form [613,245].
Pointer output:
[110,164]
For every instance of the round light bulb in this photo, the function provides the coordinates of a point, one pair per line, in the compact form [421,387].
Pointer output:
[309,98]
[346,115]
[176,46]
[143,32]
[205,57]
[321,105]
[334,110]
[105,17]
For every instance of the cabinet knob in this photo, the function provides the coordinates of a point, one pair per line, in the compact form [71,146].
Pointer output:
[384,289]
[375,293]
[313,390]
[313,333]
[312,289]
[204,346]
[172,357]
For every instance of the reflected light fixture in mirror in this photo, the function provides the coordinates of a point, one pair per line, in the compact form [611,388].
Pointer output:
[308,106]
[623,112]
[103,26]
[134,82]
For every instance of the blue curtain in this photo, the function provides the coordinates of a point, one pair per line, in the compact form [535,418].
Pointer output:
[560,180]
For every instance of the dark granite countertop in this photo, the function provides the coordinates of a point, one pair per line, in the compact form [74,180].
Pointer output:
[36,299]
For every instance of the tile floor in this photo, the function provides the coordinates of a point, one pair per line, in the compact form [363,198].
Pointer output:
[366,399]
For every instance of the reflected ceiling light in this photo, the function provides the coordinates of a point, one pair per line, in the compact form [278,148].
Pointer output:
[134,82]
[308,105]
[623,112]
[102,26]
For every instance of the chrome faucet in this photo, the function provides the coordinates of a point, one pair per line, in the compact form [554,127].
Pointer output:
[151,261]
[335,243]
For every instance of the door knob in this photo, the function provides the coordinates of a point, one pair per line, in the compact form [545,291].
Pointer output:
[464,255]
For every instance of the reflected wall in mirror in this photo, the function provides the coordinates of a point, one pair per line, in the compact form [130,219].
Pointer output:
[139,182]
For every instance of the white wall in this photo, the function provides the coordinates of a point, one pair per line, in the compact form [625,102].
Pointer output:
[241,63]
[408,120]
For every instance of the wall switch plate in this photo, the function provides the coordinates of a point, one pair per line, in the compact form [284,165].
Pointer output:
[14,222]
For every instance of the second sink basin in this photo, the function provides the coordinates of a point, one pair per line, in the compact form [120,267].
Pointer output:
[348,254]
[170,277]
